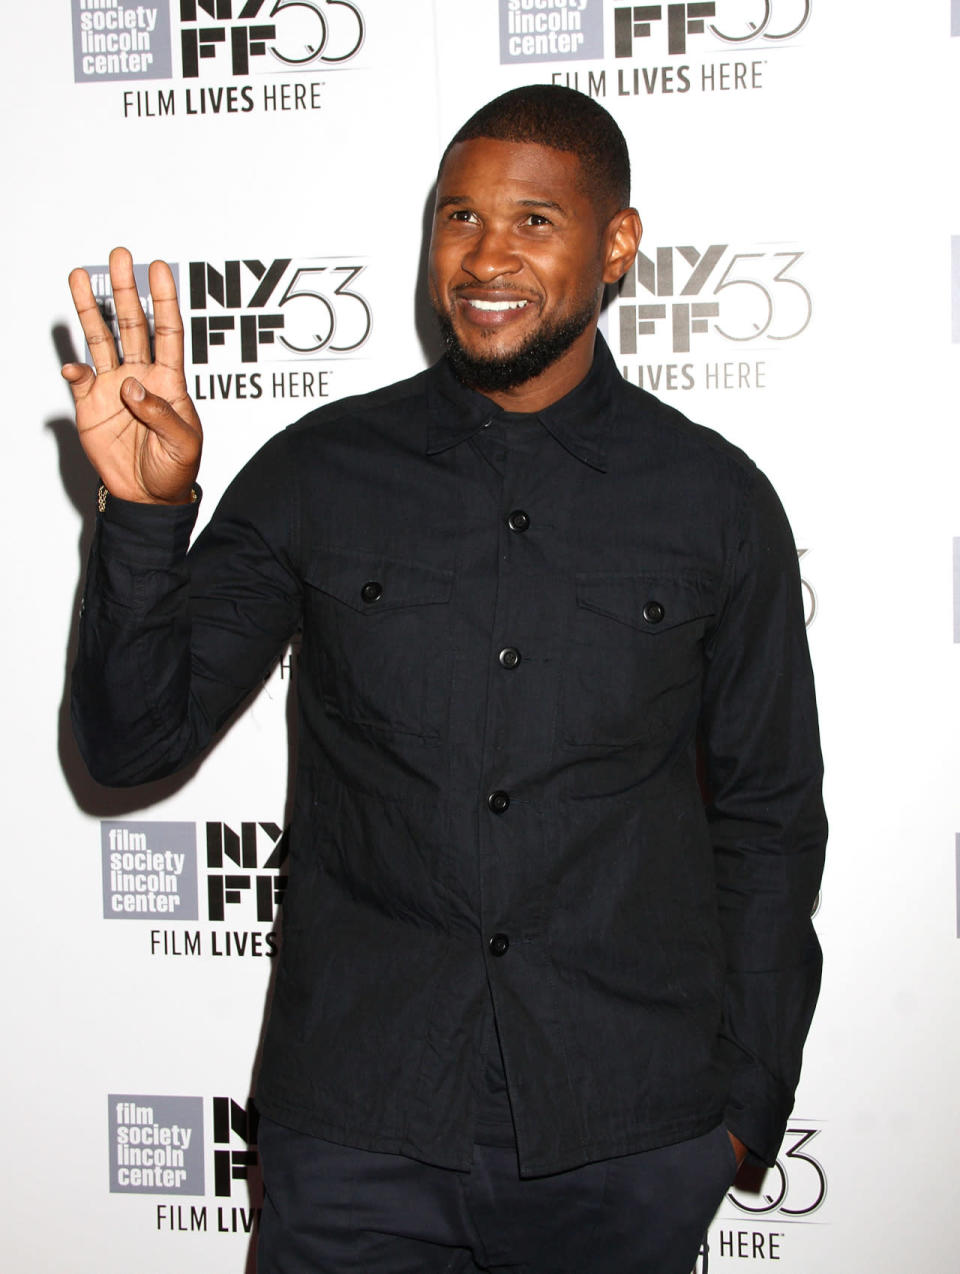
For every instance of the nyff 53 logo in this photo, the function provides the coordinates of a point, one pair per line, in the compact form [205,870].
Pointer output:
[736,22]
[276,312]
[742,296]
[259,850]
[243,37]
[234,1145]
[795,1187]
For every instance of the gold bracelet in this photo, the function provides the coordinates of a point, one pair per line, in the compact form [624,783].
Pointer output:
[103,493]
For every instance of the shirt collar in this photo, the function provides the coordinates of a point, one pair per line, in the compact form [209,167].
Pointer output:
[579,421]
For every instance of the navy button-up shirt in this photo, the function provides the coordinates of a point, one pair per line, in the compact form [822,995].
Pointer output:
[557,761]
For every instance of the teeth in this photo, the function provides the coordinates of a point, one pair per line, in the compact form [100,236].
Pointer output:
[497,305]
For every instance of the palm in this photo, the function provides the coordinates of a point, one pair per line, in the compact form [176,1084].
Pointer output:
[147,450]
[119,445]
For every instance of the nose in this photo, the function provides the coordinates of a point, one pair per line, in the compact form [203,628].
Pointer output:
[491,254]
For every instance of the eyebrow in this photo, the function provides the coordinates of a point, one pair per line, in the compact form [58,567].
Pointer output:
[461,200]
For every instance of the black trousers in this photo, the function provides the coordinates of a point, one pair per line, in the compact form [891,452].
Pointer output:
[329,1209]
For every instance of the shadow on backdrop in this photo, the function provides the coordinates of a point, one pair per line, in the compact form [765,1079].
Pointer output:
[424,321]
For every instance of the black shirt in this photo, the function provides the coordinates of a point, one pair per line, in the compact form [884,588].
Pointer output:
[518,638]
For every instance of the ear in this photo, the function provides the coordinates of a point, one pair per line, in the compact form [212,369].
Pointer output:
[621,241]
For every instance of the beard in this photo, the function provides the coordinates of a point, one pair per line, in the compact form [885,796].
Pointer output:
[530,359]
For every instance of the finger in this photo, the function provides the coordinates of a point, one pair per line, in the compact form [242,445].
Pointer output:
[167,323]
[131,320]
[79,377]
[98,336]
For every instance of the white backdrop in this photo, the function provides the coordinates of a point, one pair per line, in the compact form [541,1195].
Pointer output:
[795,166]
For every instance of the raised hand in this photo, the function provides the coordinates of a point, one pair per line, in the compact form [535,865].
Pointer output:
[135,419]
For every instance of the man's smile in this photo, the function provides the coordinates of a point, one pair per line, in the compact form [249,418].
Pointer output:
[495,305]
[490,308]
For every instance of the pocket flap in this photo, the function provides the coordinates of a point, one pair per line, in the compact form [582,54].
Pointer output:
[370,582]
[654,602]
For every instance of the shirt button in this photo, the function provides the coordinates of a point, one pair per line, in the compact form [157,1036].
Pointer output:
[518,520]
[372,591]
[509,657]
[653,612]
[499,944]
[498,802]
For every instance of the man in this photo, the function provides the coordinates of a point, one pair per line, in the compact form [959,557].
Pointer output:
[536,997]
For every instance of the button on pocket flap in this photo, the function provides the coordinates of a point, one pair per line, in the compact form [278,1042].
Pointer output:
[370,583]
[652,602]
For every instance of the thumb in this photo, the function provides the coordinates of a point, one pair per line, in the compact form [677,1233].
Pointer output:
[154,412]
[169,454]
[132,390]
[138,400]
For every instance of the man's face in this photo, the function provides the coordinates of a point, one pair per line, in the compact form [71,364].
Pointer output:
[516,261]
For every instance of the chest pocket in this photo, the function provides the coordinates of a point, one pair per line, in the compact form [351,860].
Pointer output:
[379,629]
[633,669]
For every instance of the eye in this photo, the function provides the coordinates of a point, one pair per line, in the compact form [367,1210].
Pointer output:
[537,219]
[462,214]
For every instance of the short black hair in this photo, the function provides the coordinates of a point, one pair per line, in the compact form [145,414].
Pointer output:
[549,115]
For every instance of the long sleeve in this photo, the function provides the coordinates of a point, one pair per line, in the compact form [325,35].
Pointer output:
[172,641]
[763,773]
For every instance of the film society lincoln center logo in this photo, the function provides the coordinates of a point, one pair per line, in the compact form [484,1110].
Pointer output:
[115,40]
[150,872]
[157,1146]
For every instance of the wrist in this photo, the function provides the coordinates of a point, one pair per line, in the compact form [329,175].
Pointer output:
[189,497]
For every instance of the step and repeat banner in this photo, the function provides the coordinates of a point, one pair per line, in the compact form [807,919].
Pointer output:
[798,289]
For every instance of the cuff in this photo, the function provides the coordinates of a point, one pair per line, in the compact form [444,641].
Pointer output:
[146,530]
